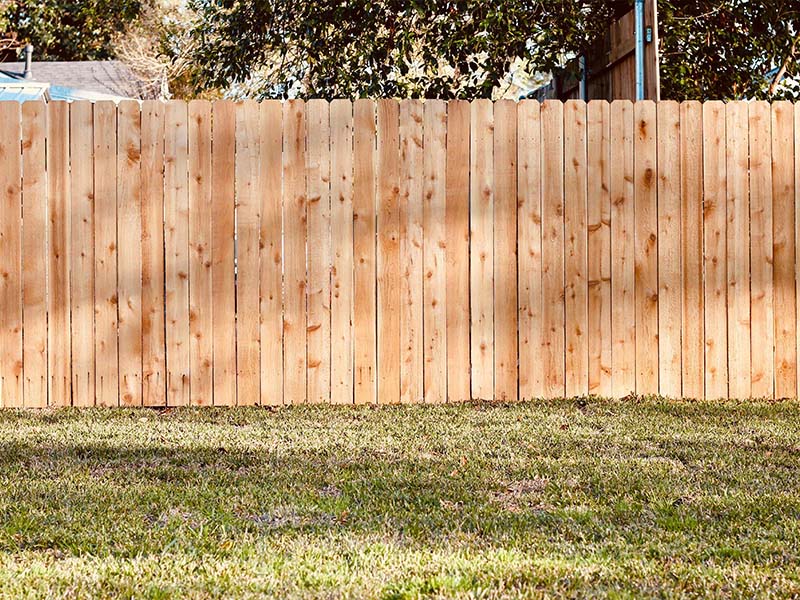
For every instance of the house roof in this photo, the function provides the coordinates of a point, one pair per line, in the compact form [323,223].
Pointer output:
[78,80]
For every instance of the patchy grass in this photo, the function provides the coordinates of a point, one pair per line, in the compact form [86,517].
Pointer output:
[578,498]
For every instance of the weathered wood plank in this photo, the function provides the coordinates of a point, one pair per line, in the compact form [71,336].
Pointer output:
[129,255]
[783,254]
[364,307]
[34,253]
[153,341]
[646,243]
[669,248]
[553,342]
[714,240]
[248,186]
[319,251]
[294,223]
[692,326]
[623,310]
[411,242]
[388,225]
[797,213]
[200,297]
[81,252]
[435,290]
[58,208]
[11,367]
[457,251]
[529,241]
[575,250]
[738,249]
[599,246]
[505,251]
[223,283]
[105,253]
[176,251]
[482,249]
[762,328]
[341,251]
[271,134]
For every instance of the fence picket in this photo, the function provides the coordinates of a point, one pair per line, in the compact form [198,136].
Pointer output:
[738,249]
[623,323]
[176,251]
[529,259]
[248,186]
[435,279]
[59,364]
[223,216]
[505,251]
[200,299]
[105,254]
[553,248]
[599,247]
[388,251]
[153,341]
[341,115]
[364,307]
[457,251]
[81,253]
[714,236]
[411,250]
[575,250]
[762,330]
[271,334]
[294,223]
[668,179]
[797,214]
[783,243]
[129,255]
[11,366]
[692,326]
[646,244]
[34,254]
[482,249]
[319,249]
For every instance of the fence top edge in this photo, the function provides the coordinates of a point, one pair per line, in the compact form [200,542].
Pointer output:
[251,101]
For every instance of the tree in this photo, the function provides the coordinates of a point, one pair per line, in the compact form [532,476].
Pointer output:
[158,47]
[441,48]
[728,49]
[68,29]
[464,48]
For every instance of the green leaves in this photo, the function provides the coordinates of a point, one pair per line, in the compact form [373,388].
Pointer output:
[69,29]
[725,50]
[394,48]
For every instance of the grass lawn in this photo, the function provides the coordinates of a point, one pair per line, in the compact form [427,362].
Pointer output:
[596,498]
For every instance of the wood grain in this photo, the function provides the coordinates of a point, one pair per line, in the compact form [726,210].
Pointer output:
[34,254]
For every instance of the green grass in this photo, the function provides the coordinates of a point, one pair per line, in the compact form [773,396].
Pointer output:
[576,498]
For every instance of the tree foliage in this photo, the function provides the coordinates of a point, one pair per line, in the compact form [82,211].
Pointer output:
[441,48]
[726,49]
[401,48]
[68,29]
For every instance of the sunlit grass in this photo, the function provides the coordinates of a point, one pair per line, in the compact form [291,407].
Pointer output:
[575,498]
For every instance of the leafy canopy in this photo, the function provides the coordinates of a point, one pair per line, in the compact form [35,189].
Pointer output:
[465,48]
[423,48]
[68,29]
[441,48]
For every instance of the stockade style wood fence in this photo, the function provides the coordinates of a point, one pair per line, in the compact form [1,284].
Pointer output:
[380,251]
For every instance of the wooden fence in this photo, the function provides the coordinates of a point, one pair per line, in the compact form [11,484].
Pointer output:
[195,253]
